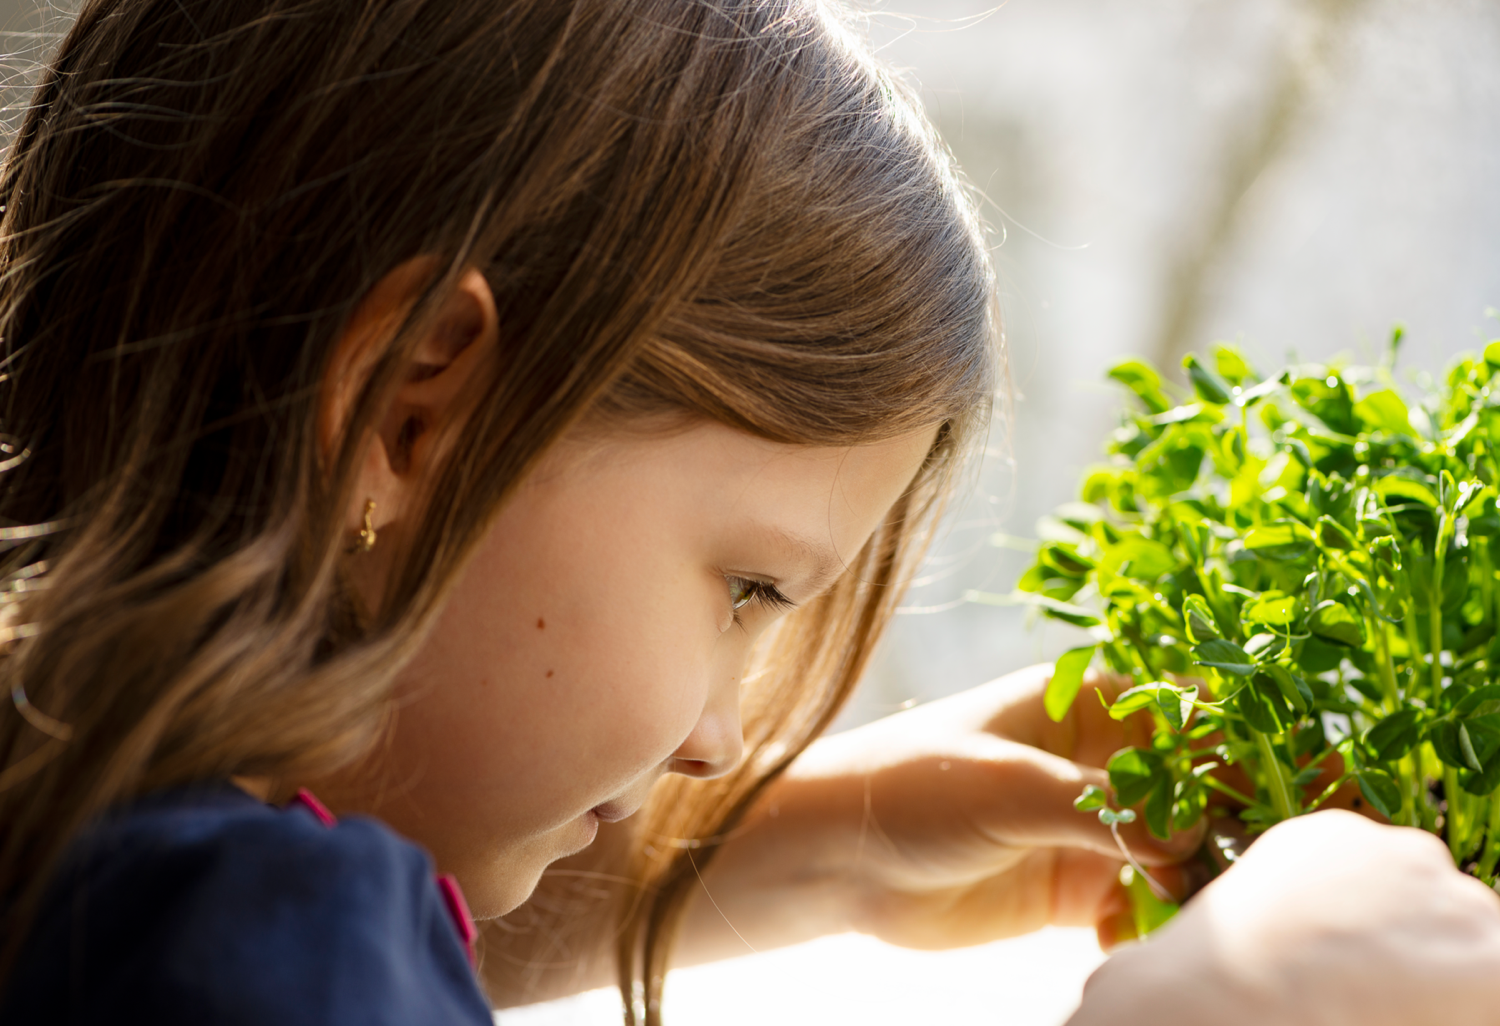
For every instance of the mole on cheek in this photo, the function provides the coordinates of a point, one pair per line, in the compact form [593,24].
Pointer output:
[549,673]
[541,624]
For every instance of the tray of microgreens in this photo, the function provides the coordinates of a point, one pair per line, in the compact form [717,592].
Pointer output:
[1296,576]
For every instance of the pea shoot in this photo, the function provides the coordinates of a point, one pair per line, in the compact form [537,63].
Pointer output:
[1297,573]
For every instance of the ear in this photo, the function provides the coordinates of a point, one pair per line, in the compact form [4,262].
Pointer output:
[411,435]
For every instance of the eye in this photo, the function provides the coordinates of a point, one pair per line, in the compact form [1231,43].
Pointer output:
[743,591]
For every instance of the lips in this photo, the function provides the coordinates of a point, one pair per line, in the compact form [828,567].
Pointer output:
[613,812]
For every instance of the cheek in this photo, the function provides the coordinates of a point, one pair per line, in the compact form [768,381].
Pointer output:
[569,664]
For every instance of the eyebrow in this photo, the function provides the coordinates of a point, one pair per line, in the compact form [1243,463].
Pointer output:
[825,565]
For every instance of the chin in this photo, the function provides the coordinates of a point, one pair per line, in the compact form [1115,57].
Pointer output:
[507,889]
[514,877]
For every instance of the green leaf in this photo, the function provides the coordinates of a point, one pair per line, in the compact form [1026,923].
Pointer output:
[1394,488]
[1263,707]
[1492,353]
[1480,500]
[1173,701]
[1143,380]
[1133,772]
[1191,412]
[1466,746]
[1319,656]
[1231,365]
[1395,735]
[1199,618]
[1272,608]
[1380,791]
[1064,559]
[1109,817]
[1093,797]
[1334,621]
[1285,542]
[1327,399]
[1252,395]
[1225,656]
[1139,557]
[1367,687]
[1384,411]
[1265,647]
[1483,783]
[1067,677]
[1458,432]
[1132,701]
[1209,386]
[1159,807]
[1292,687]
[1482,701]
[1332,535]
[1443,735]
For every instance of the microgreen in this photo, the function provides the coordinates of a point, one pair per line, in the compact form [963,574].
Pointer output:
[1299,575]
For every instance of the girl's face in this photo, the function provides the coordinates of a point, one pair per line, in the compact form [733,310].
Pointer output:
[597,637]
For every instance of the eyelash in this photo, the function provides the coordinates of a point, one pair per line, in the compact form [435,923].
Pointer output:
[768,595]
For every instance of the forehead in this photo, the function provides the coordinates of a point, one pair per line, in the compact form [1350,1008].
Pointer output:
[806,499]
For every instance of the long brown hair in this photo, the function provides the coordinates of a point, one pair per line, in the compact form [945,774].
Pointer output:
[716,207]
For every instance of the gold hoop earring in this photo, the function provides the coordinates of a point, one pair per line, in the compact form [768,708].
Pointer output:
[366,536]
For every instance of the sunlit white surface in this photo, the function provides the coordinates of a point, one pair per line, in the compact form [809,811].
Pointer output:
[1029,981]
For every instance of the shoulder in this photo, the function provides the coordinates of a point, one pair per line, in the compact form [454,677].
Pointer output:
[204,905]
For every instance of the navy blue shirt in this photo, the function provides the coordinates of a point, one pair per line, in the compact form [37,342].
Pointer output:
[204,906]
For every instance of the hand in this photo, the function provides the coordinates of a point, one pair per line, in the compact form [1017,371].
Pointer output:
[1328,919]
[947,825]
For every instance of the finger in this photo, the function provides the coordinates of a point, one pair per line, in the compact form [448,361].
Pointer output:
[1173,882]
[1098,735]
[1086,888]
[1032,794]
[1022,717]
[1136,841]
[1121,921]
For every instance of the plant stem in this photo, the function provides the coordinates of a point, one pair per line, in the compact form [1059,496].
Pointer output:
[1328,792]
[1411,793]
[1137,648]
[1415,782]
[1486,579]
[1387,670]
[1427,811]
[1491,840]
[1435,618]
[1225,789]
[1452,826]
[1414,642]
[1276,782]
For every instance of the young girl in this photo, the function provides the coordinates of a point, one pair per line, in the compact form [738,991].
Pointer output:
[447,440]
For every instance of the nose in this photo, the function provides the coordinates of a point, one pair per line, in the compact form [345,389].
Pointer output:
[717,741]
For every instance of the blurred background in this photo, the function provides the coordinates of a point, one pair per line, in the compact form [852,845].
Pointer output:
[1296,176]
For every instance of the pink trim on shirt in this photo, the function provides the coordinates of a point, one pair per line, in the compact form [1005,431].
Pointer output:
[447,883]
[458,908]
[309,801]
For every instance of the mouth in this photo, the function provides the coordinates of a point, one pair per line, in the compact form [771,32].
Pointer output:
[614,811]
